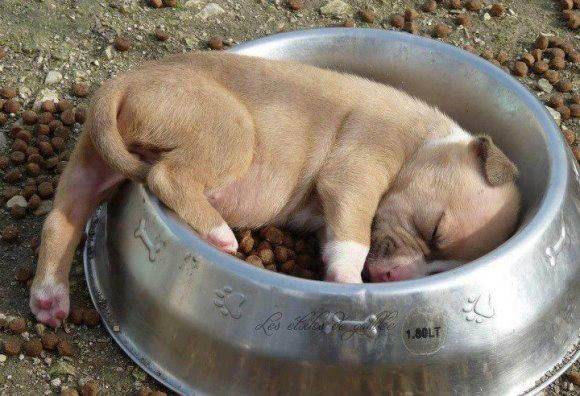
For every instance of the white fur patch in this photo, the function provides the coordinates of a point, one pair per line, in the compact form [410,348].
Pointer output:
[344,260]
[223,238]
[457,135]
[306,219]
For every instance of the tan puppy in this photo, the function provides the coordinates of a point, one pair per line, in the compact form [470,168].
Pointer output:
[232,141]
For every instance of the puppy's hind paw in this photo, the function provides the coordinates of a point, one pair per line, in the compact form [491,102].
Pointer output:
[223,238]
[49,302]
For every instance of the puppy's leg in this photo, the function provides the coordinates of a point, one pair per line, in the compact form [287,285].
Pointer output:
[182,190]
[81,188]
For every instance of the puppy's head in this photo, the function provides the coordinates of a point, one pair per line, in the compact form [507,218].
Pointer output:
[454,201]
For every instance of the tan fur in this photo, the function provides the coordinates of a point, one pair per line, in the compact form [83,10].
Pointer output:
[221,138]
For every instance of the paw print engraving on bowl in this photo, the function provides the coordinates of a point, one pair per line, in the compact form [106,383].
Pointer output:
[479,308]
[152,246]
[191,260]
[553,251]
[229,303]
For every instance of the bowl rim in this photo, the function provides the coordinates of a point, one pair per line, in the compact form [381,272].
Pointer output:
[549,205]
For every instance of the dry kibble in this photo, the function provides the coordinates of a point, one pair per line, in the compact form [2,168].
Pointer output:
[216,43]
[296,5]
[556,101]
[156,3]
[45,119]
[122,44]
[368,16]
[90,388]
[540,67]
[272,235]
[487,55]
[348,23]
[288,266]
[17,212]
[161,35]
[69,392]
[255,261]
[463,19]
[23,274]
[567,14]
[57,143]
[29,190]
[537,54]
[282,254]
[541,42]
[266,255]
[441,30]
[76,316]
[569,136]
[12,346]
[17,325]
[564,86]
[51,162]
[33,347]
[411,14]
[8,93]
[80,115]
[48,106]
[12,176]
[566,4]
[398,21]
[34,202]
[502,57]
[429,6]
[557,64]
[64,348]
[68,117]
[573,56]
[454,4]
[11,106]
[45,149]
[555,52]
[29,117]
[574,22]
[91,317]
[35,159]
[3,117]
[170,3]
[17,157]
[474,5]
[24,135]
[19,145]
[63,105]
[410,27]
[10,233]
[144,391]
[158,393]
[575,110]
[80,90]
[4,162]
[528,59]
[564,112]
[45,189]
[496,10]
[246,243]
[10,191]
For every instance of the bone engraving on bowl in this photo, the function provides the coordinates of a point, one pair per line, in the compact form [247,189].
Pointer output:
[152,246]
[479,308]
[228,302]
[368,326]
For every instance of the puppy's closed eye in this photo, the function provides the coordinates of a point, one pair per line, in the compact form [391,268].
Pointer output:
[434,241]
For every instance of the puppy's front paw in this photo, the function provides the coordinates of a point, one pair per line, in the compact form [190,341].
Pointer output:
[343,277]
[223,238]
[49,301]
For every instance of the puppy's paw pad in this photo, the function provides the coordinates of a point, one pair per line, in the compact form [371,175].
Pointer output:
[223,238]
[49,302]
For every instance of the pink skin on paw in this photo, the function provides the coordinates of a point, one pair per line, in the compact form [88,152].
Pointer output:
[223,238]
[50,303]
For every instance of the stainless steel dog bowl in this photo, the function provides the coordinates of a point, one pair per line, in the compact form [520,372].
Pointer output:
[203,322]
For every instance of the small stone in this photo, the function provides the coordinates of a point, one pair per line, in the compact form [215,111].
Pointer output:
[44,208]
[555,115]
[496,10]
[122,44]
[545,85]
[53,77]
[486,16]
[564,86]
[61,368]
[17,200]
[3,358]
[209,11]
[56,382]
[336,9]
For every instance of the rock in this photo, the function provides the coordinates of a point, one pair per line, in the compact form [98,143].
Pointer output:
[486,17]
[56,382]
[53,77]
[3,358]
[210,10]
[61,368]
[17,200]
[44,208]
[24,92]
[193,3]
[545,85]
[557,117]
[337,9]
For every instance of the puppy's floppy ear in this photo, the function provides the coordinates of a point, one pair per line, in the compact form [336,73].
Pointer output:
[496,166]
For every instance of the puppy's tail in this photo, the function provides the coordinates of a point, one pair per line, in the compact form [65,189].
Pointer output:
[102,126]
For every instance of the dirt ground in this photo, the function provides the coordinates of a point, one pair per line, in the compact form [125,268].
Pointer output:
[75,38]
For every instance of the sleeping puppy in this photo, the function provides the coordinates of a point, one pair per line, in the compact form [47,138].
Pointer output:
[229,141]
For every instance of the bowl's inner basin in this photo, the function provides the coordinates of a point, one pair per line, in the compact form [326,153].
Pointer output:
[479,96]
